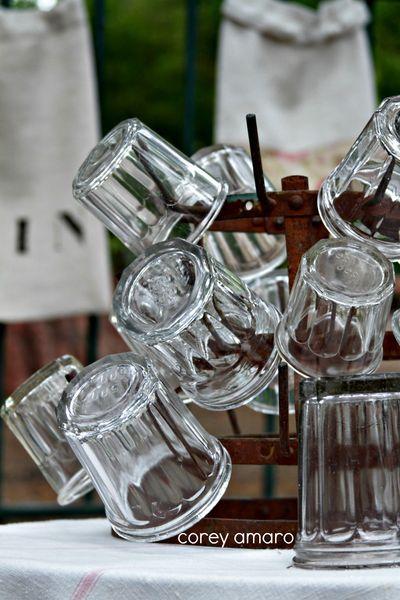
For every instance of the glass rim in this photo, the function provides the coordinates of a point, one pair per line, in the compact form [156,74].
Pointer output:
[355,385]
[204,156]
[208,151]
[199,294]
[63,365]
[82,426]
[384,120]
[86,180]
[340,228]
[351,298]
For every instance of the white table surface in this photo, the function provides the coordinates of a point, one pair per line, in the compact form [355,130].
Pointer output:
[78,559]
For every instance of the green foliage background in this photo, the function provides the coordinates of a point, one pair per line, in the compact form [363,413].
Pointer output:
[145,61]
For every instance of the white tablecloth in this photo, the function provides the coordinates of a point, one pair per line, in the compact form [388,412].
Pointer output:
[80,560]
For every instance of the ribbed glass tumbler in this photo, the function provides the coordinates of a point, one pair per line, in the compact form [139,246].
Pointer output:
[30,413]
[338,308]
[361,197]
[201,321]
[248,255]
[396,325]
[349,476]
[144,190]
[156,469]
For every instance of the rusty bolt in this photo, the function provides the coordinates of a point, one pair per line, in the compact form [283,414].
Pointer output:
[316,220]
[279,221]
[295,202]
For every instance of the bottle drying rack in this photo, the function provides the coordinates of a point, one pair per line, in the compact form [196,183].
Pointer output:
[292,212]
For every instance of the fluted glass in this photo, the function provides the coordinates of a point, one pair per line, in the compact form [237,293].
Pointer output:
[249,255]
[201,321]
[396,325]
[371,172]
[336,317]
[144,190]
[155,468]
[30,413]
[349,460]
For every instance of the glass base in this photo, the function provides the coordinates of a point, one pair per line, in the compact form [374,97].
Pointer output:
[338,228]
[351,558]
[210,498]
[79,485]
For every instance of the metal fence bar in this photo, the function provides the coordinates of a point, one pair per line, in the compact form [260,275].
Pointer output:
[190,76]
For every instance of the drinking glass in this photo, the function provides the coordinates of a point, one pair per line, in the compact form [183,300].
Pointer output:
[201,321]
[396,325]
[349,472]
[155,468]
[361,197]
[273,288]
[144,190]
[163,373]
[336,318]
[249,255]
[30,413]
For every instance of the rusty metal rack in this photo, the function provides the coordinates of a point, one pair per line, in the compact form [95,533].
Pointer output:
[294,213]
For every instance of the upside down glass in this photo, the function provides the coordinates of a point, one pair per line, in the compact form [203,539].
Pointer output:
[349,473]
[248,255]
[144,190]
[361,197]
[30,413]
[155,468]
[201,321]
[336,317]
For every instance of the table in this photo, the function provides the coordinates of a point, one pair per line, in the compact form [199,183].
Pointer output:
[78,559]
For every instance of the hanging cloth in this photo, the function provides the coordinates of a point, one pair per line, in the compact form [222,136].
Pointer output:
[54,256]
[307,74]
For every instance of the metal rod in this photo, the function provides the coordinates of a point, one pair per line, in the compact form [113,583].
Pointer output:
[284,409]
[269,470]
[92,338]
[258,172]
[99,45]
[234,422]
[190,77]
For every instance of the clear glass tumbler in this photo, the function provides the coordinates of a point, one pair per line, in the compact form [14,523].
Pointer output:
[336,318]
[144,190]
[273,288]
[361,197]
[248,255]
[201,321]
[156,469]
[396,325]
[349,472]
[30,413]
